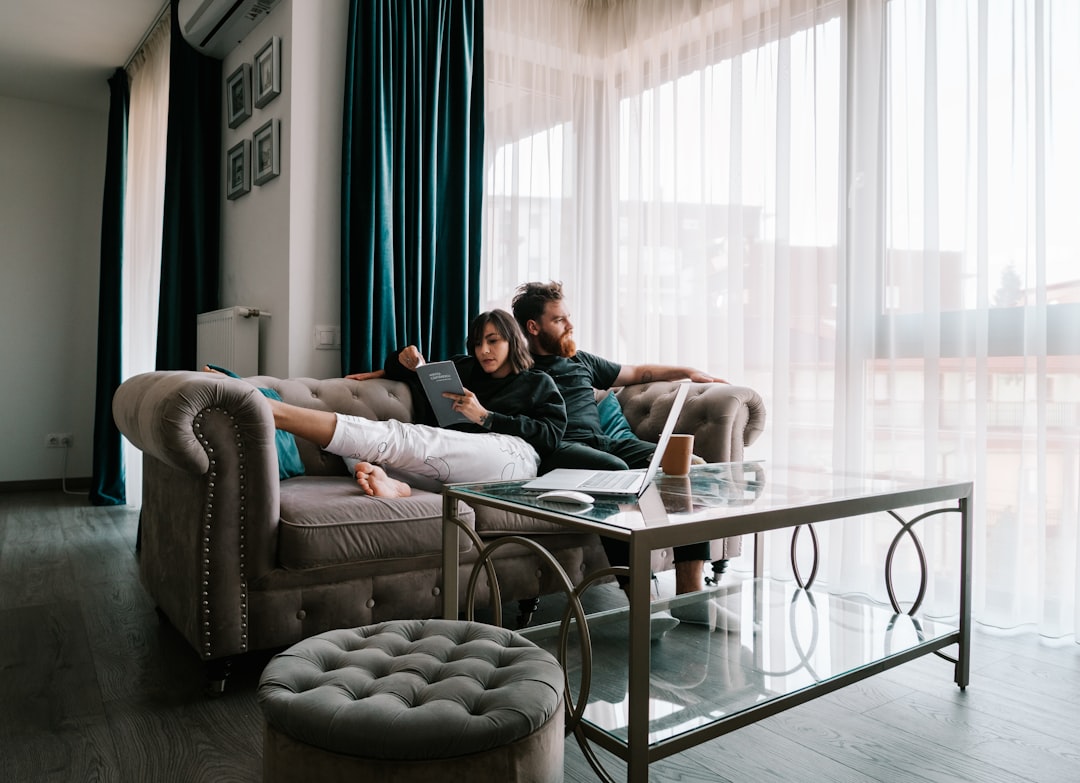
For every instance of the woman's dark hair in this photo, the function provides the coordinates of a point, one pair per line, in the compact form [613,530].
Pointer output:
[531,299]
[504,323]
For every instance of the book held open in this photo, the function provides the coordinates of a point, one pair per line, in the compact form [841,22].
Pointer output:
[439,377]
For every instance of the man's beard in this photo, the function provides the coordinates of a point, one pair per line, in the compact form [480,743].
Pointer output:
[560,346]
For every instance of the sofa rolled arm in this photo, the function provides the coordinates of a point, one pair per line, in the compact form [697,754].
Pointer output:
[158,412]
[211,498]
[723,418]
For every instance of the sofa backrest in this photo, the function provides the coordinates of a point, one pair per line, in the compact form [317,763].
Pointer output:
[372,399]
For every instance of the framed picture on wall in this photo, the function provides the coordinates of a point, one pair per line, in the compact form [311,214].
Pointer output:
[266,144]
[268,72]
[238,95]
[238,169]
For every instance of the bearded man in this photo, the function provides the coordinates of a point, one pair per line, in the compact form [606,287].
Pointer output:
[543,317]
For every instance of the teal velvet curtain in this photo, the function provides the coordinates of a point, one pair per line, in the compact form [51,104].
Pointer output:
[412,174]
[107,487]
[190,253]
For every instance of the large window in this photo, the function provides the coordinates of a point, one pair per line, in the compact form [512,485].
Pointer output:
[863,210]
[981,299]
[648,180]
[983,159]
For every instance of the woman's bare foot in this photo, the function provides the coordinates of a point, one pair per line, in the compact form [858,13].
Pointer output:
[374,481]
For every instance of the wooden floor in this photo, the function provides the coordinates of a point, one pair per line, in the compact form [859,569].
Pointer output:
[94,688]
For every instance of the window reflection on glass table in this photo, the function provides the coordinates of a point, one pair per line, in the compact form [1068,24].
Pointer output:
[769,639]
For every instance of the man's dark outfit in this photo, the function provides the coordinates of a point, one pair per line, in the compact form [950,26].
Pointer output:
[584,444]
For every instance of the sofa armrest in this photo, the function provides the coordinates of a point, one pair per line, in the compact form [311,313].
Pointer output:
[722,418]
[158,412]
[211,493]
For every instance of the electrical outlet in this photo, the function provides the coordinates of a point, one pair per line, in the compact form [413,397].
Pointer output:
[58,440]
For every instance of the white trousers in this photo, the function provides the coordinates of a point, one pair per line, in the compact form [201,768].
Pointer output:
[432,453]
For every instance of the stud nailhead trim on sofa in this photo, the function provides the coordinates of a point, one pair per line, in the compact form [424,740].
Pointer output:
[207,528]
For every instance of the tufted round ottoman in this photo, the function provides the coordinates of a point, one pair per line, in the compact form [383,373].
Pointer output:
[413,700]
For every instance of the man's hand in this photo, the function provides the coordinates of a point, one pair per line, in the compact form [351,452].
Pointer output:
[703,377]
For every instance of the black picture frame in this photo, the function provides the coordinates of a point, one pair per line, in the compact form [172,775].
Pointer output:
[238,95]
[266,151]
[268,72]
[238,170]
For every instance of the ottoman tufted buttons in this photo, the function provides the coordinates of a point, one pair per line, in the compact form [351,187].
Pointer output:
[367,701]
[370,603]
[300,615]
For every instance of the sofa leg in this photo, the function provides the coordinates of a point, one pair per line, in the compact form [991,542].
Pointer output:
[526,607]
[216,671]
[718,568]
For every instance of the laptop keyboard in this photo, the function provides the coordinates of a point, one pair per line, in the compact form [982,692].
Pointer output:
[612,480]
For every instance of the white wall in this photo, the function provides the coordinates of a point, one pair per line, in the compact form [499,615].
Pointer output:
[318,88]
[52,173]
[281,242]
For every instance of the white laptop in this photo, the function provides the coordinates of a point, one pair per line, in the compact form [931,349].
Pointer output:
[614,482]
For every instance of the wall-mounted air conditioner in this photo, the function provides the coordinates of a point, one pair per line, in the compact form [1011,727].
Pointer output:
[214,27]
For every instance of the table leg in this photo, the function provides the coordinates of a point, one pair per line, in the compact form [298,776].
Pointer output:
[638,685]
[759,597]
[759,555]
[963,656]
[450,545]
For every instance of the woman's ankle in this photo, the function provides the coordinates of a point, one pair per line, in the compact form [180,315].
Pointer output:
[689,576]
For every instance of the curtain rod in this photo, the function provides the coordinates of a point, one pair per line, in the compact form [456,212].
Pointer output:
[149,30]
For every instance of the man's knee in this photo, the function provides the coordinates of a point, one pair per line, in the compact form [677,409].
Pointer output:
[635,453]
[578,455]
[690,553]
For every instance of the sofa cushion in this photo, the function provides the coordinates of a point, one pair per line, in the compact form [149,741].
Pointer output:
[612,420]
[494,522]
[327,521]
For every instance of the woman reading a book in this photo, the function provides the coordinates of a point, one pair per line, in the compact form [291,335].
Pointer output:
[514,417]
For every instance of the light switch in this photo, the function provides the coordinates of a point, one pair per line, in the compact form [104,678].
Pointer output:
[327,338]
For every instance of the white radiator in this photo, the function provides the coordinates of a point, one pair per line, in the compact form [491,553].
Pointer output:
[229,338]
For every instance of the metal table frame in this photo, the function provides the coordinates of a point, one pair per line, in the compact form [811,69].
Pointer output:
[636,751]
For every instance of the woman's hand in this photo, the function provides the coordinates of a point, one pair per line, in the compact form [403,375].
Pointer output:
[411,358]
[365,376]
[468,405]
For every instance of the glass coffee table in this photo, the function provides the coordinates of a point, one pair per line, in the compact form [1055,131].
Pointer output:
[779,644]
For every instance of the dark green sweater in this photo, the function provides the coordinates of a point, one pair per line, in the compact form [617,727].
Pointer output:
[527,405]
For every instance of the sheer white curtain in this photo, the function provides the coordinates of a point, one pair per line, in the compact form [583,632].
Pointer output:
[853,207]
[148,116]
[977,364]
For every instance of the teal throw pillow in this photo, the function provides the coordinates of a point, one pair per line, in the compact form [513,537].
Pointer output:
[288,456]
[612,420]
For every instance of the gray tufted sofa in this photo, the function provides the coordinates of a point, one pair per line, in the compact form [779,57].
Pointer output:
[238,560]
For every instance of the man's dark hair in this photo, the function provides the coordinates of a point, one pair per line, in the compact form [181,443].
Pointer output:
[531,299]
[520,359]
